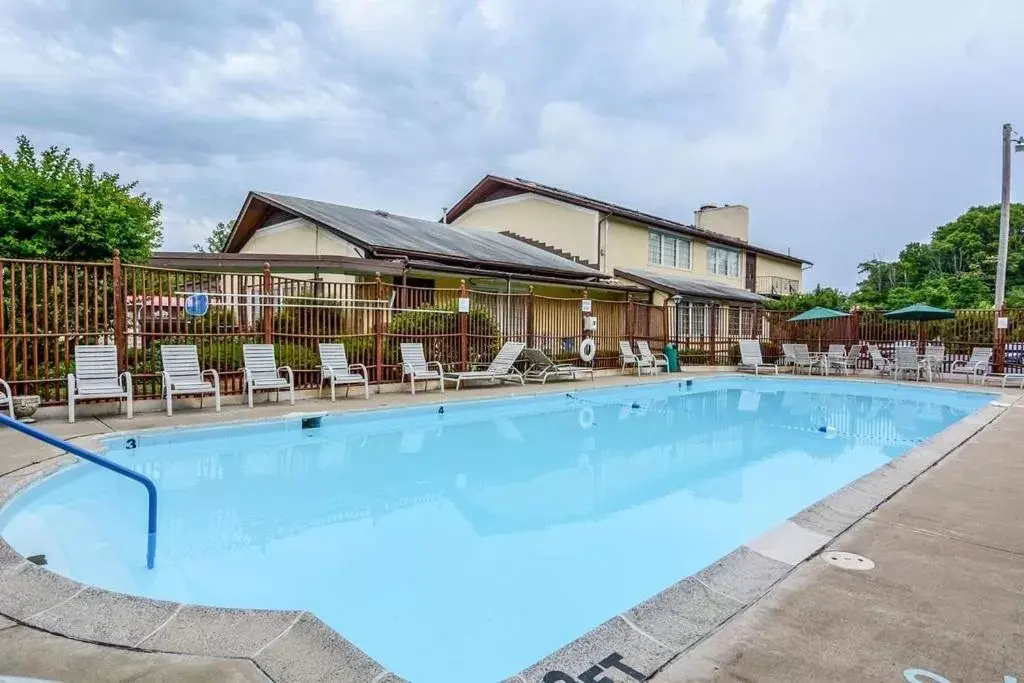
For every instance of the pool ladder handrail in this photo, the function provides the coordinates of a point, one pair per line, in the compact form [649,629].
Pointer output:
[102,462]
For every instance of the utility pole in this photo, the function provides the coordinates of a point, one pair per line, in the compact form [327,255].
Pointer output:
[1004,220]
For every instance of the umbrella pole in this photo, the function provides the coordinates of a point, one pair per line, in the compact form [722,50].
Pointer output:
[920,337]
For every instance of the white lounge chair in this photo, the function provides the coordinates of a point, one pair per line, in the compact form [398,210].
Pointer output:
[501,369]
[540,368]
[181,374]
[6,397]
[629,359]
[976,366]
[836,354]
[96,376]
[260,371]
[847,362]
[335,370]
[416,367]
[906,362]
[751,358]
[789,355]
[802,358]
[879,362]
[934,360]
[656,360]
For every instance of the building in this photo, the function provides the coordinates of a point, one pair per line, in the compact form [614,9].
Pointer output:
[714,253]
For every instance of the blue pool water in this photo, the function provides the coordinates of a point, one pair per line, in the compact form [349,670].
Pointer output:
[462,547]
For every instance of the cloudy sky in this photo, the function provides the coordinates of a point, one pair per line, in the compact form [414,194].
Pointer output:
[848,126]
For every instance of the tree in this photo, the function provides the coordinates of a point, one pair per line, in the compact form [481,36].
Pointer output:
[53,206]
[956,269]
[827,297]
[218,239]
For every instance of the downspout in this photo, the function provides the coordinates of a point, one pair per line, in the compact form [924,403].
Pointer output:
[602,241]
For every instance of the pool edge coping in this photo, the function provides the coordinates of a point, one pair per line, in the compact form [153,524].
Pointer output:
[286,643]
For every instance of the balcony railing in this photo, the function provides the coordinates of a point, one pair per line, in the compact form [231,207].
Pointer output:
[771,285]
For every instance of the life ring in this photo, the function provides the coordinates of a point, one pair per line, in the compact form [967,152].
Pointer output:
[586,417]
[588,349]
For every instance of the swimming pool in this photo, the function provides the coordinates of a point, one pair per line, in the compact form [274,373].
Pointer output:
[463,545]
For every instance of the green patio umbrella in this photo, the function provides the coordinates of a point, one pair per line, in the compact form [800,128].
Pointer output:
[921,313]
[818,313]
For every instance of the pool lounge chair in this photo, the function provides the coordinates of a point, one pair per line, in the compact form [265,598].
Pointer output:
[879,362]
[836,354]
[934,360]
[802,358]
[656,360]
[976,366]
[906,362]
[789,355]
[501,369]
[416,367]
[96,376]
[260,371]
[629,359]
[335,370]
[181,374]
[6,397]
[846,363]
[751,358]
[540,368]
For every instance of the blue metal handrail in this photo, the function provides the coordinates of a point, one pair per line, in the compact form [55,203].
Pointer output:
[102,462]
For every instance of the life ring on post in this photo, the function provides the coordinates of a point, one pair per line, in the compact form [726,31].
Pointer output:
[588,349]
[586,417]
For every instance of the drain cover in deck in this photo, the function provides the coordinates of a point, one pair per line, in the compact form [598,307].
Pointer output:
[848,561]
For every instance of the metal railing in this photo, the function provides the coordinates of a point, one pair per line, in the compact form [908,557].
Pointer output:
[102,462]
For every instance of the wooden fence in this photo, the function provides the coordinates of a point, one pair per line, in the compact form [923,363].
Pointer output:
[49,307]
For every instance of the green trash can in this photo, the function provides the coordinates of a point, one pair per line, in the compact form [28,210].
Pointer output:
[673,357]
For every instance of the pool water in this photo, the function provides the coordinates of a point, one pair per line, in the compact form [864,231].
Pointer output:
[462,546]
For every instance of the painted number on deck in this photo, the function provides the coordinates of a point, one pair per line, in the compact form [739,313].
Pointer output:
[595,674]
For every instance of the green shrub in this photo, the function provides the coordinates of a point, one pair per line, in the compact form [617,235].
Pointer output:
[693,355]
[437,327]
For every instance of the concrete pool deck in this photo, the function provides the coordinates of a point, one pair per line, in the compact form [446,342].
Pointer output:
[937,530]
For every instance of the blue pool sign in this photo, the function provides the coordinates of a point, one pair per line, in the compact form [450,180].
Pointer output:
[197,304]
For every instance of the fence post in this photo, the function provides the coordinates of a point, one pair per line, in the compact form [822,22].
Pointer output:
[120,318]
[529,321]
[712,333]
[664,323]
[630,319]
[268,306]
[378,333]
[1000,350]
[463,330]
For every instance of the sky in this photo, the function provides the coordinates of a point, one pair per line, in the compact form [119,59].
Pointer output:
[849,127]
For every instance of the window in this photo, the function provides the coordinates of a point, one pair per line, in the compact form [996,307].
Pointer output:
[666,250]
[723,262]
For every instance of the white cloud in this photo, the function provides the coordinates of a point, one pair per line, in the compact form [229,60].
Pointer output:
[388,30]
[487,92]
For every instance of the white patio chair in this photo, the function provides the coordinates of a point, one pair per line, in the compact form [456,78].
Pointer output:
[836,354]
[335,370]
[976,366]
[416,367]
[847,362]
[260,371]
[656,360]
[934,359]
[541,368]
[181,374]
[802,358]
[6,397]
[751,358]
[501,369]
[96,376]
[627,358]
[879,362]
[788,354]
[907,362]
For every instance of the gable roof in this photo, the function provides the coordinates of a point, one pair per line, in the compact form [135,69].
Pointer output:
[385,235]
[490,184]
[687,286]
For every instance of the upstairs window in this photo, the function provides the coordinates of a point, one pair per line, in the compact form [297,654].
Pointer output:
[723,262]
[668,251]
